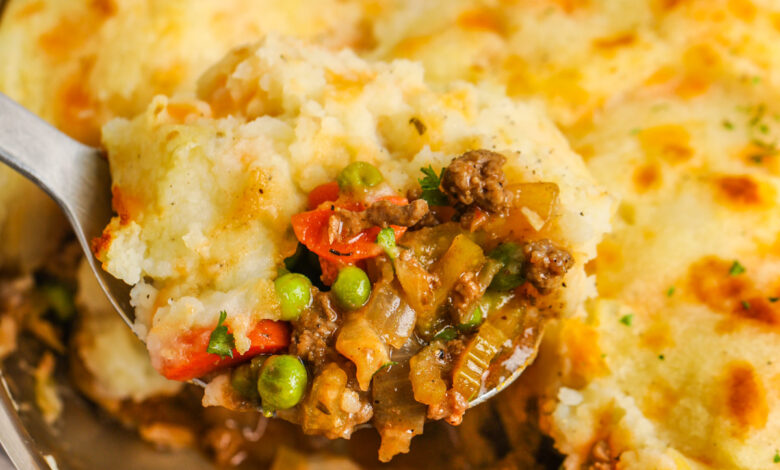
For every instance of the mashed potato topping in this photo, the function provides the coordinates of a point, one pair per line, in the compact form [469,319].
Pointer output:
[205,188]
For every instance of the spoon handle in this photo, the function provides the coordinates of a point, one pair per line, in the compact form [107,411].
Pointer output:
[71,173]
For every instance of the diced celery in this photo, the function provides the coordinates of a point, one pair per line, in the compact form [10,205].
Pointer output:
[462,256]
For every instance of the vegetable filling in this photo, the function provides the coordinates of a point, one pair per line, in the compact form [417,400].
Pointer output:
[406,308]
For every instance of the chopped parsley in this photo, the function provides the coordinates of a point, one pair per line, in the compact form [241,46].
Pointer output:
[736,269]
[221,342]
[661,357]
[670,291]
[385,366]
[447,333]
[765,149]
[430,187]
[386,240]
[774,299]
[776,458]
[728,124]
[758,115]
[627,319]
[745,304]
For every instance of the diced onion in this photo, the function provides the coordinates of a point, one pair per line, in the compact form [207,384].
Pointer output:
[397,416]
[322,411]
[359,343]
[389,315]
[426,374]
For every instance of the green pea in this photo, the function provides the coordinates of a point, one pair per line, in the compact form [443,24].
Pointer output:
[294,293]
[244,381]
[60,300]
[352,287]
[359,175]
[511,257]
[281,382]
[473,320]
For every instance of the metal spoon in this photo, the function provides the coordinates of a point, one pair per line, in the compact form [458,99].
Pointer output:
[77,178]
[74,175]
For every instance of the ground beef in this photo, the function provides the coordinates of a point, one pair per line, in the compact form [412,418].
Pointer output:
[477,178]
[450,409]
[545,264]
[345,224]
[465,294]
[453,405]
[385,213]
[601,457]
[313,332]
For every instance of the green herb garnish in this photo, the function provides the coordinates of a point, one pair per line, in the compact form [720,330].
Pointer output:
[745,304]
[627,319]
[221,342]
[385,366]
[728,124]
[736,269]
[774,299]
[670,291]
[776,459]
[661,357]
[430,187]
[447,333]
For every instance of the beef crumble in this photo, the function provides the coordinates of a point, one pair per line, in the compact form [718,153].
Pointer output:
[465,293]
[345,224]
[385,213]
[476,178]
[545,264]
[601,457]
[454,404]
[313,333]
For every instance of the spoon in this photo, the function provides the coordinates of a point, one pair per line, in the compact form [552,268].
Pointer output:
[74,175]
[77,177]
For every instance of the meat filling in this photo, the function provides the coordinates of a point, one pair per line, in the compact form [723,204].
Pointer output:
[345,224]
[465,293]
[545,264]
[313,333]
[476,178]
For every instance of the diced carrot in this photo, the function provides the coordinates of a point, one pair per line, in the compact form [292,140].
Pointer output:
[266,337]
[322,193]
